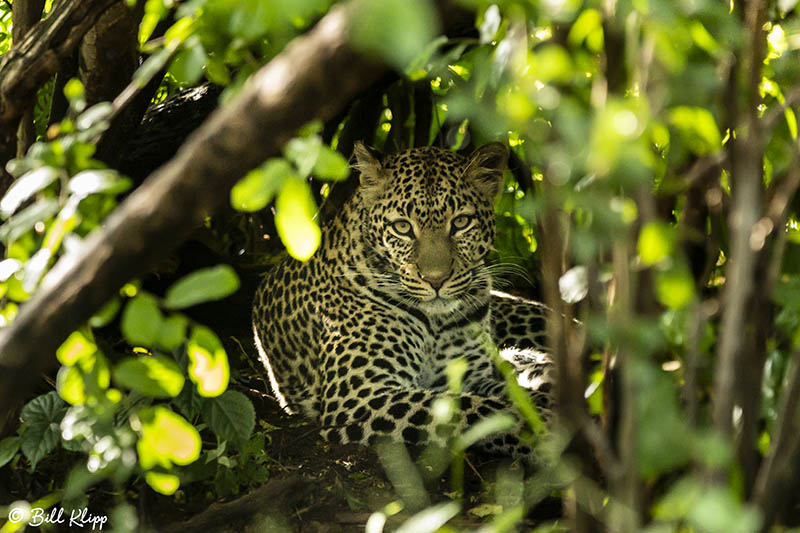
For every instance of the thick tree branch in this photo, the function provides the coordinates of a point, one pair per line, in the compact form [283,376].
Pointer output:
[314,77]
[25,14]
[38,56]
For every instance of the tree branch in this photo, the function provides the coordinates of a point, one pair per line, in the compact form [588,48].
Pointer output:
[29,64]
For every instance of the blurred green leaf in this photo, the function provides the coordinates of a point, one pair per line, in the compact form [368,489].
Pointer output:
[25,187]
[76,347]
[202,285]
[173,332]
[163,483]
[655,243]
[208,367]
[257,189]
[330,165]
[156,376]
[166,438]
[294,218]
[699,127]
[675,286]
[188,65]
[141,321]
[397,30]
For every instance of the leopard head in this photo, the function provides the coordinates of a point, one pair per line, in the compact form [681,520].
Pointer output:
[427,219]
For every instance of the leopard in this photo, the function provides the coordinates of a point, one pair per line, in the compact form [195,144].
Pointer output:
[360,336]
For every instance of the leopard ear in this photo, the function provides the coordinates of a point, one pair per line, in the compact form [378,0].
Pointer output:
[485,169]
[371,171]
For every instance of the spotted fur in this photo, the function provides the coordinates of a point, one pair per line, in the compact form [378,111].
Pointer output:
[359,337]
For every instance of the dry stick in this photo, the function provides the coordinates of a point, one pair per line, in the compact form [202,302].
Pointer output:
[25,14]
[746,185]
[29,64]
[291,90]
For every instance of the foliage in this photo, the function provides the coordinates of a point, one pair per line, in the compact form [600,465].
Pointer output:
[629,124]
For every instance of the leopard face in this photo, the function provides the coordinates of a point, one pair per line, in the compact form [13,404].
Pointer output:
[428,224]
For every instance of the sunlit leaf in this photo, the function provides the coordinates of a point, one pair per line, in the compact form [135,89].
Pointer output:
[574,285]
[77,346]
[25,187]
[97,181]
[675,286]
[70,386]
[208,367]
[699,127]
[294,218]
[106,313]
[167,438]
[202,285]
[655,243]
[26,219]
[330,165]
[430,519]
[162,483]
[156,376]
[259,186]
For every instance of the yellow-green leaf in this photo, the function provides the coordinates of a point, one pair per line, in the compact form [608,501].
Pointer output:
[167,438]
[163,483]
[156,376]
[208,366]
[259,186]
[697,124]
[74,348]
[655,243]
[69,385]
[141,321]
[294,219]
[675,287]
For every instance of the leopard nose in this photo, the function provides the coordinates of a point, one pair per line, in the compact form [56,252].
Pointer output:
[436,280]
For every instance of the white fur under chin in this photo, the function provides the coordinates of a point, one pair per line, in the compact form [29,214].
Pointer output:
[439,306]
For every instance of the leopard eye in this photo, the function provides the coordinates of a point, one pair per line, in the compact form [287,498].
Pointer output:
[460,223]
[403,228]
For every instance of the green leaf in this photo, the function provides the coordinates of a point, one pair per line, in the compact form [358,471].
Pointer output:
[173,332]
[8,449]
[699,127]
[303,152]
[217,72]
[141,321]
[162,483]
[98,181]
[25,187]
[156,376]
[396,30]
[167,438]
[106,313]
[70,386]
[257,189]
[41,417]
[203,285]
[488,426]
[330,165]
[675,286]
[431,519]
[77,346]
[187,67]
[655,243]
[24,221]
[208,367]
[294,218]
[231,416]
